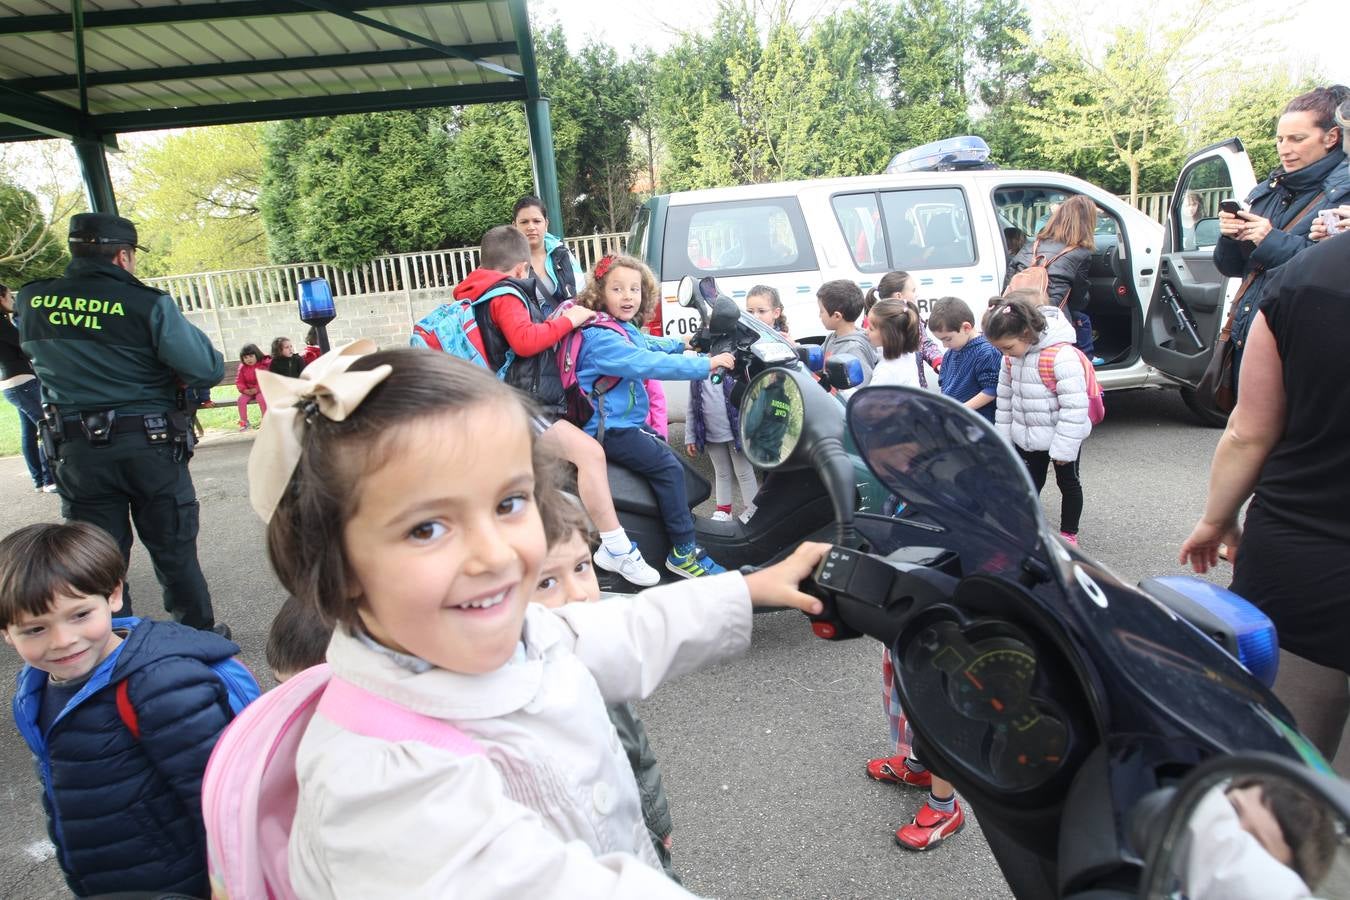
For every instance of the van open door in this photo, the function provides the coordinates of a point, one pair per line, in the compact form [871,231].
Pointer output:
[1190,297]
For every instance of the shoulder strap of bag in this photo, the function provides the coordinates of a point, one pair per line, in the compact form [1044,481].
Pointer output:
[126,712]
[1227,331]
[359,711]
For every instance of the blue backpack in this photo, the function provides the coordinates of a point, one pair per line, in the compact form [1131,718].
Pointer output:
[240,687]
[453,328]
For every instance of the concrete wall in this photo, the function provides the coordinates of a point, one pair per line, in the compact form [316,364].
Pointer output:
[386,319]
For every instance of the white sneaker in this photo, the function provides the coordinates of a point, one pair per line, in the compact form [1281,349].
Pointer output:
[630,567]
[721,515]
[748,513]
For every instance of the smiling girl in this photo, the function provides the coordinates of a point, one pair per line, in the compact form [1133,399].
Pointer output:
[428,580]
[625,289]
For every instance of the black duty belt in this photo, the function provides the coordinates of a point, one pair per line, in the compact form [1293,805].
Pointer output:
[125,423]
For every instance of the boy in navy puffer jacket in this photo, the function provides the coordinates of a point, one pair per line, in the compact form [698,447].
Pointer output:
[121,714]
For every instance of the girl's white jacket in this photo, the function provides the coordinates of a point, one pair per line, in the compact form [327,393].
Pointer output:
[551,809]
[1032,416]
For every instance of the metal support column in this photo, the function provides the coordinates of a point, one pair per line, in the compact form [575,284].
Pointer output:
[97,180]
[543,162]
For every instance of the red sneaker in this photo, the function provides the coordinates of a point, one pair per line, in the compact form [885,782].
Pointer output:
[892,770]
[930,827]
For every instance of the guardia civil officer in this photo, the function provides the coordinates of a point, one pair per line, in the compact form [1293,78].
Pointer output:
[110,352]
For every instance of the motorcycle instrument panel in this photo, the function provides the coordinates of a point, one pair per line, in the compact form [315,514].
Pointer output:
[978,683]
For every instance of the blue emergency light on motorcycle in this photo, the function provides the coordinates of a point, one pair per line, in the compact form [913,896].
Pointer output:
[966,152]
[812,355]
[316,307]
[1235,624]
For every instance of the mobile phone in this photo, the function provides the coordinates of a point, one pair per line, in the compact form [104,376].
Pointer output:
[1333,221]
[1232,207]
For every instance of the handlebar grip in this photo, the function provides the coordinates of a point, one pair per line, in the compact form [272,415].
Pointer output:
[717,374]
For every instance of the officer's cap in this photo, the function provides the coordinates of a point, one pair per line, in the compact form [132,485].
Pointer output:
[102,228]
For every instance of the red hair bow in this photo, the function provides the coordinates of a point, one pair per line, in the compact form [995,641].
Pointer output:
[603,266]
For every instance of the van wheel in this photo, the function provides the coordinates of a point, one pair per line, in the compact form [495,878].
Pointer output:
[1208,415]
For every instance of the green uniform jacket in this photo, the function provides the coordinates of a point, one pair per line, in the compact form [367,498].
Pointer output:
[100,339]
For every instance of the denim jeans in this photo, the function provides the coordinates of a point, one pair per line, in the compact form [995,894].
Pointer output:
[1082,327]
[27,399]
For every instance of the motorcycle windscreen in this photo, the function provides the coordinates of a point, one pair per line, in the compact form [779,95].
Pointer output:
[947,467]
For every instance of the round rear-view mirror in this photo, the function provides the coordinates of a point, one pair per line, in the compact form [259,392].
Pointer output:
[684,294]
[771,419]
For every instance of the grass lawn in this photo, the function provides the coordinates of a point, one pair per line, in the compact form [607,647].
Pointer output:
[223,417]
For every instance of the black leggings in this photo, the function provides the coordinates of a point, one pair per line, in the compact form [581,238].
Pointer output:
[1066,476]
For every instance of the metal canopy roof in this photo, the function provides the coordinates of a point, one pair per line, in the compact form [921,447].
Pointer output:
[87,69]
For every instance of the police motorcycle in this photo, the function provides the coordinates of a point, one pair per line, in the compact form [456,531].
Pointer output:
[791,506]
[1102,733]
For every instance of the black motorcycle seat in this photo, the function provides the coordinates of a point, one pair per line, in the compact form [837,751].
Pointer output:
[633,493]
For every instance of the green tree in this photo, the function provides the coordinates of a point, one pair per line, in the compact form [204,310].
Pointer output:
[194,197]
[487,170]
[283,146]
[28,247]
[1251,113]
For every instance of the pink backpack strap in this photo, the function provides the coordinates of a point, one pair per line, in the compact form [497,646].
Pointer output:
[359,711]
[1045,365]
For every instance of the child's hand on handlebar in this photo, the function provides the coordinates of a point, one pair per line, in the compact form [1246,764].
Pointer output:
[777,584]
[723,361]
[578,315]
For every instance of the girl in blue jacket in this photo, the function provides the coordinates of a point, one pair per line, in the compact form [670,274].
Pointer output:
[625,289]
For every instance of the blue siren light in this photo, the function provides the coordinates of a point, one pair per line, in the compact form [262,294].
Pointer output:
[965,152]
[316,301]
[813,355]
[1258,648]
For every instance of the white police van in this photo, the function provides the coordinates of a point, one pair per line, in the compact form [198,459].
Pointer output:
[947,218]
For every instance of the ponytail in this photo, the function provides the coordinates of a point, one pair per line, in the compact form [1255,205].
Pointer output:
[900,326]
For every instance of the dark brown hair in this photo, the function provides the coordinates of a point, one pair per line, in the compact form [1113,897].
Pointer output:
[276,345]
[253,349]
[1308,829]
[503,248]
[1015,317]
[1072,224]
[593,295]
[105,252]
[563,516]
[526,202]
[1322,103]
[775,302]
[305,535]
[841,296]
[949,314]
[38,562]
[899,324]
[297,640]
[890,284]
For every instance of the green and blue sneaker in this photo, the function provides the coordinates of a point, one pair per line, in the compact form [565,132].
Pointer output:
[692,562]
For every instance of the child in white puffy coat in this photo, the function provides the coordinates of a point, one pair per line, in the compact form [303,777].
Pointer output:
[1044,425]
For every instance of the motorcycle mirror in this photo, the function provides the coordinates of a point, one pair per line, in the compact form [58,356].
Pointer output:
[725,315]
[1248,826]
[684,293]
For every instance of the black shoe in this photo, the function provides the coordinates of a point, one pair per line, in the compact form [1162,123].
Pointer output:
[221,629]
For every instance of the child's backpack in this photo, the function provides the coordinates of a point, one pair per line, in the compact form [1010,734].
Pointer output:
[1045,367]
[250,790]
[453,328]
[1036,276]
[579,406]
[240,687]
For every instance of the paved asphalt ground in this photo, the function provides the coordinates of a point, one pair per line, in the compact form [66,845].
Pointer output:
[763,757]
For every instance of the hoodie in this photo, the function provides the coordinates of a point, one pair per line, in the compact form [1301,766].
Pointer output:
[515,320]
[1032,416]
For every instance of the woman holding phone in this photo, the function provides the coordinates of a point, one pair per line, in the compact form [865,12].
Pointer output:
[1274,224]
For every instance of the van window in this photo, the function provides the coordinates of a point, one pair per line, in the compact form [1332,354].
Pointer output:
[748,237]
[927,228]
[637,236]
[860,220]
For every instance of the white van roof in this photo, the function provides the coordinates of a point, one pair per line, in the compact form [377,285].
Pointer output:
[865,182]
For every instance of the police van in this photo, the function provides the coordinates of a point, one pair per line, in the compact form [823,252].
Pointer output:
[953,221]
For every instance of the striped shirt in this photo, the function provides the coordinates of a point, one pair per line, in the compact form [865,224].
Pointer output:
[972,369]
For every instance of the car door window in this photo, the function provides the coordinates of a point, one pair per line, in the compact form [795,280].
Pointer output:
[752,237]
[1196,220]
[927,228]
[859,220]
